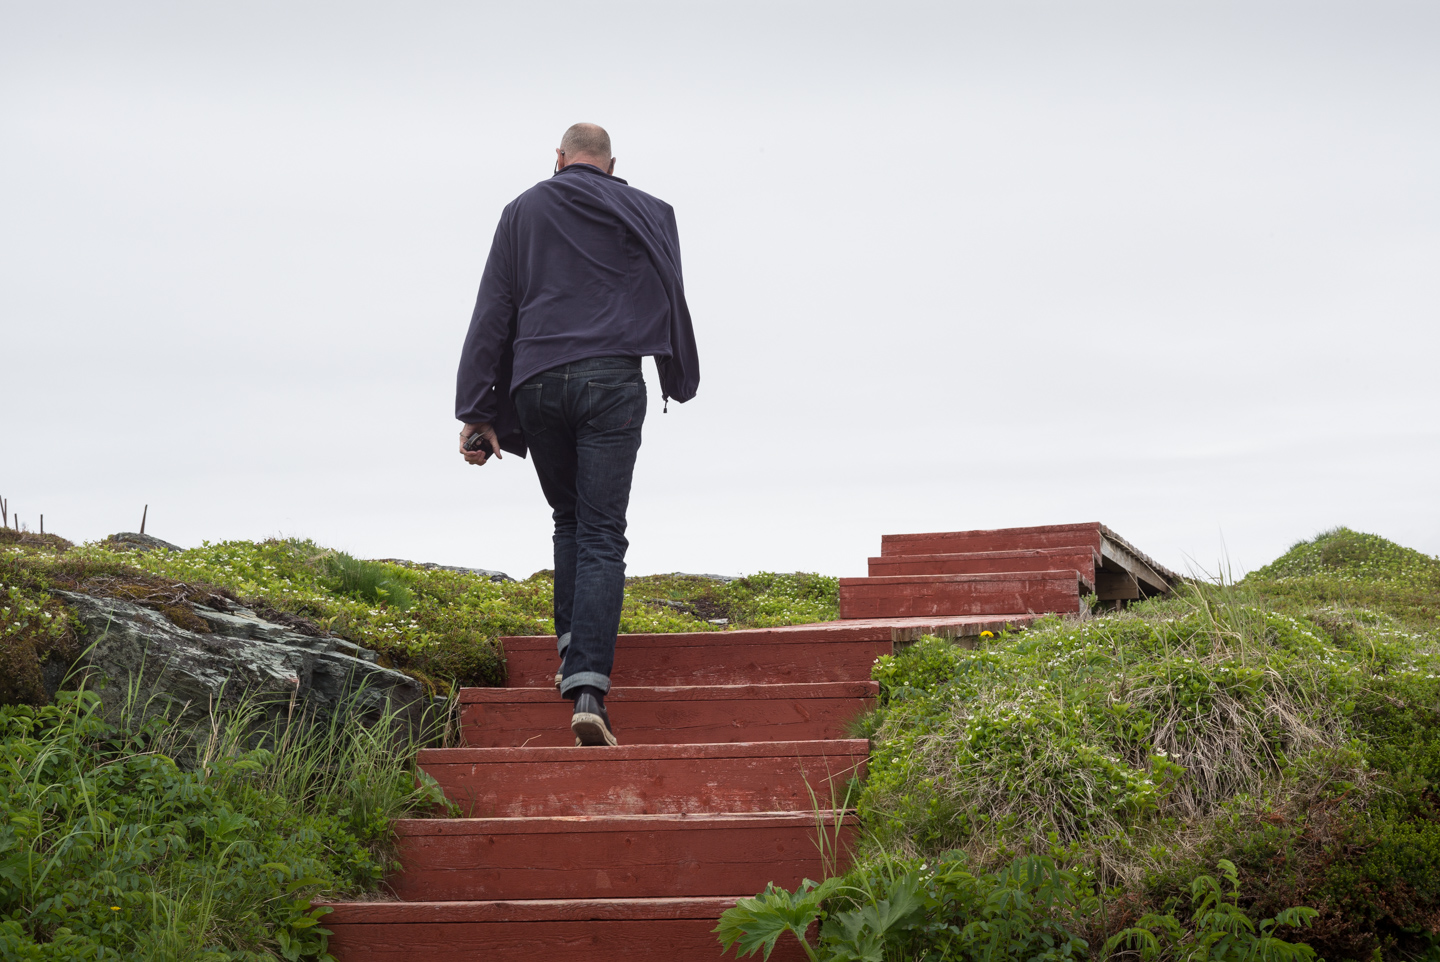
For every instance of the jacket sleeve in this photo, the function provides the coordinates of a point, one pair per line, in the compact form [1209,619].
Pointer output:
[680,372]
[485,358]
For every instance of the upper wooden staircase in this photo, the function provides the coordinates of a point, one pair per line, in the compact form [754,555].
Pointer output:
[732,759]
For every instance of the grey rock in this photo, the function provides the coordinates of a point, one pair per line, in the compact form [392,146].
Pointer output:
[193,672]
[431,566]
[134,541]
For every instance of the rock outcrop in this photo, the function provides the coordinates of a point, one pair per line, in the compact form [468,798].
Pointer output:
[431,566]
[228,656]
[135,541]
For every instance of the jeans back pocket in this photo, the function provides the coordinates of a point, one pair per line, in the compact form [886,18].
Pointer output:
[613,405]
[530,407]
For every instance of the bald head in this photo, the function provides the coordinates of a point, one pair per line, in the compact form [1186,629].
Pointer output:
[585,144]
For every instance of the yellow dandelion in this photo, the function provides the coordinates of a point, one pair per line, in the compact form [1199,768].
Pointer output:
[114,908]
[987,634]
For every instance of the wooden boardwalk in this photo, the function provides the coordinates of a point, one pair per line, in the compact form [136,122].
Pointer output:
[727,741]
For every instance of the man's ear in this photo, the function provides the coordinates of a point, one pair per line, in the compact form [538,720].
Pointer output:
[611,169]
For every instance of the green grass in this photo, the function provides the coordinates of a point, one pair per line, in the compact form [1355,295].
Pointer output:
[441,626]
[1289,724]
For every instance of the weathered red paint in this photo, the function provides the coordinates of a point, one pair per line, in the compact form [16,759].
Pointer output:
[538,717]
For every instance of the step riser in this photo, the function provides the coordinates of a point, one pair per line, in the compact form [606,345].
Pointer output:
[956,542]
[665,940]
[1082,561]
[721,663]
[590,785]
[958,598]
[665,723]
[620,864]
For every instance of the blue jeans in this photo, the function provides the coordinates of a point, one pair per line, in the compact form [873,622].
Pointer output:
[582,423]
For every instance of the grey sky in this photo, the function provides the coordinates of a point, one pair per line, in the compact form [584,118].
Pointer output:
[1171,266]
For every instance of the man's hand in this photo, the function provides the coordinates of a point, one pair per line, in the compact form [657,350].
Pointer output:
[478,457]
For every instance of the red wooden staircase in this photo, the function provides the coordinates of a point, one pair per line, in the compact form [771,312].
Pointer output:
[729,743]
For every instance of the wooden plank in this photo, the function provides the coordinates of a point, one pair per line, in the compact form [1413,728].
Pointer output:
[1083,559]
[585,824]
[434,912]
[1115,585]
[498,717]
[960,594]
[634,857]
[993,539]
[666,940]
[500,756]
[646,694]
[646,779]
[1065,574]
[829,651]
[1117,558]
[1160,577]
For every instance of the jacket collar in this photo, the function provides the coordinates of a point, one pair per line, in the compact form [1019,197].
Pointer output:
[590,168]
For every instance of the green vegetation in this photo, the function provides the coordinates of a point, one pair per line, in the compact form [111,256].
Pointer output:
[1030,911]
[134,838]
[1287,726]
[110,849]
[441,626]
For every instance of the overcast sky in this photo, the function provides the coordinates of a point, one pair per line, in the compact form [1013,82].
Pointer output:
[1170,266]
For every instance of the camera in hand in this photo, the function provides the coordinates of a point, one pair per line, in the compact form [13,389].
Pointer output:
[479,442]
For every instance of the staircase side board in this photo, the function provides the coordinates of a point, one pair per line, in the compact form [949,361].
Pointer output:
[1116,552]
[849,747]
[658,940]
[660,693]
[1083,559]
[600,786]
[992,539]
[949,597]
[752,717]
[582,824]
[707,858]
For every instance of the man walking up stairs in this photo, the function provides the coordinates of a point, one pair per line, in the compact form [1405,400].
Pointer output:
[730,742]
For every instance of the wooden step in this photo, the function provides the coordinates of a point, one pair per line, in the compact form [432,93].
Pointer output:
[540,717]
[625,856]
[1033,591]
[588,930]
[1083,559]
[995,539]
[792,654]
[828,651]
[647,779]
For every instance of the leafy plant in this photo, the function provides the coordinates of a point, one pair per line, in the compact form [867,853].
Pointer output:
[367,580]
[109,848]
[756,924]
[1220,931]
[1025,911]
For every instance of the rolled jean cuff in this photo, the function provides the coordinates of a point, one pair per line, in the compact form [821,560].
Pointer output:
[562,643]
[592,678]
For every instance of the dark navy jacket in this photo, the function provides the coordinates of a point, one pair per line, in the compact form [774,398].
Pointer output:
[583,265]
